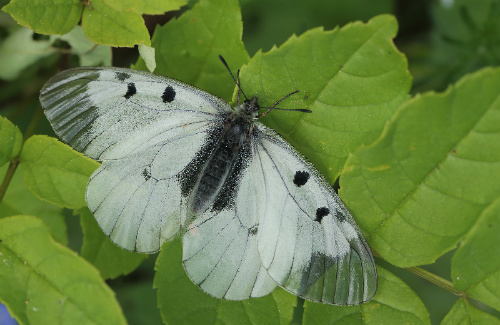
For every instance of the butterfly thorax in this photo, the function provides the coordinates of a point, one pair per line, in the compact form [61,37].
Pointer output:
[214,186]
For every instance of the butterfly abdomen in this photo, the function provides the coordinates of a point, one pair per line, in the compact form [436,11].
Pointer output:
[217,168]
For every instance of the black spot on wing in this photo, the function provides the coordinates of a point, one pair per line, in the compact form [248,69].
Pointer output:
[301,178]
[131,90]
[321,212]
[339,215]
[122,76]
[168,94]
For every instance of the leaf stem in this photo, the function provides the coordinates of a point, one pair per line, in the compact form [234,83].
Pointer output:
[8,177]
[431,277]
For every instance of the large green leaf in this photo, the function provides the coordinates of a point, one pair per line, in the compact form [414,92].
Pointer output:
[56,173]
[187,48]
[43,282]
[105,25]
[423,185]
[149,7]
[352,78]
[475,268]
[46,16]
[20,201]
[463,313]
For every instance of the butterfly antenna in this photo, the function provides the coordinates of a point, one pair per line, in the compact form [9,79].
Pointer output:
[285,109]
[237,81]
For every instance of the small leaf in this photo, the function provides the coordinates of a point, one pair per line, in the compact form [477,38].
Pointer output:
[352,79]
[182,302]
[187,48]
[56,173]
[463,313]
[111,260]
[422,186]
[11,140]
[43,282]
[394,302]
[148,55]
[149,7]
[475,267]
[105,25]
[19,200]
[46,16]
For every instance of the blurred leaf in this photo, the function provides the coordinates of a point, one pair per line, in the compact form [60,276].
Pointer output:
[475,268]
[11,140]
[269,23]
[182,302]
[111,260]
[187,48]
[43,282]
[89,53]
[352,79]
[19,50]
[463,313]
[46,16]
[105,25]
[149,7]
[56,173]
[394,303]
[423,185]
[19,200]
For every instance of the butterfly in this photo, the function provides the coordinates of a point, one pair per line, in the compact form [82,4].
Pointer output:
[253,213]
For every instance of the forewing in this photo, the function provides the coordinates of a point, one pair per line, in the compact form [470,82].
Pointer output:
[220,247]
[110,113]
[146,129]
[307,239]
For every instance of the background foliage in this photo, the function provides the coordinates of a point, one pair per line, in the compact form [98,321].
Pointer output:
[412,129]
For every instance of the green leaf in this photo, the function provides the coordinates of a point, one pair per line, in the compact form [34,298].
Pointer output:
[394,303]
[19,200]
[182,302]
[475,267]
[88,52]
[105,25]
[111,260]
[149,7]
[352,79]
[463,313]
[43,282]
[56,173]
[46,16]
[19,50]
[422,186]
[11,140]
[187,48]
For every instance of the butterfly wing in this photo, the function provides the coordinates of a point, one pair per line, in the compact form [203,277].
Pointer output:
[307,240]
[146,129]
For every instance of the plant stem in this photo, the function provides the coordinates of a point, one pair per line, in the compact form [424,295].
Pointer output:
[8,177]
[431,277]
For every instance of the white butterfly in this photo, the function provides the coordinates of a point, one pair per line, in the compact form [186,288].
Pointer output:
[252,211]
